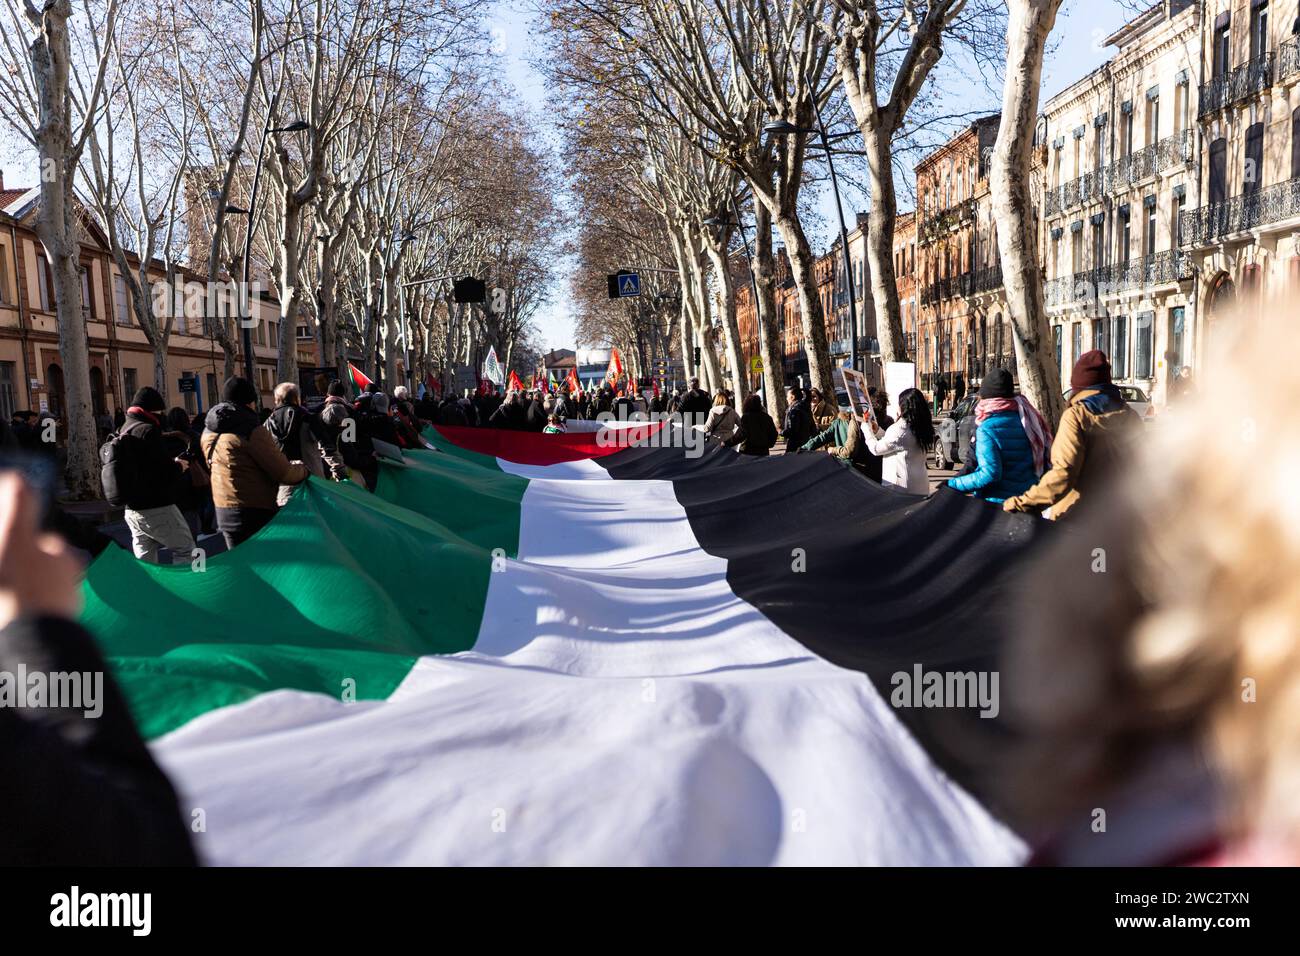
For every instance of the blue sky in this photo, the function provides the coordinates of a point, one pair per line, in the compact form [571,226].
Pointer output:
[1080,32]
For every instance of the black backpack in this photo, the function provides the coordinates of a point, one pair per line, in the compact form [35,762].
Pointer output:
[119,459]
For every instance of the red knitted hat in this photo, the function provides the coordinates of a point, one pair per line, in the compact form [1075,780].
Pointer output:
[1092,369]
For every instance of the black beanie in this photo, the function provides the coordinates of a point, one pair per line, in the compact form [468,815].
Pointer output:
[239,391]
[336,389]
[149,399]
[998,384]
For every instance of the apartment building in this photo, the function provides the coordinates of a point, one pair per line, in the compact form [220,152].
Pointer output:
[952,197]
[121,359]
[1243,237]
[1120,172]
[905,276]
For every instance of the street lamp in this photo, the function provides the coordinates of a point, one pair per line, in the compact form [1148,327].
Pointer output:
[783,128]
[245,322]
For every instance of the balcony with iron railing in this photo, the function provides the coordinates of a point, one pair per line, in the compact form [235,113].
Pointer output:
[949,287]
[1288,58]
[1213,223]
[988,279]
[1229,89]
[1170,152]
[941,223]
[1103,282]
[1087,188]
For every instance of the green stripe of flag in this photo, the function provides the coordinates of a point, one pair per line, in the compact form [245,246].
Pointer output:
[341,586]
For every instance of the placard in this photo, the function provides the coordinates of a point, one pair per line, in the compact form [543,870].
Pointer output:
[899,377]
[854,384]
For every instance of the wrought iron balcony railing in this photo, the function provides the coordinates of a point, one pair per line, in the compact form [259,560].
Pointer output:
[988,279]
[960,284]
[1169,265]
[1288,57]
[936,226]
[1087,188]
[1176,150]
[1228,89]
[1259,207]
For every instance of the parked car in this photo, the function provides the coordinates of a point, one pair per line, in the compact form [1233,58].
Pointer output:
[1137,399]
[954,429]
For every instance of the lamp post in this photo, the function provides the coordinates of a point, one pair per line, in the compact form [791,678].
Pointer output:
[782,128]
[245,321]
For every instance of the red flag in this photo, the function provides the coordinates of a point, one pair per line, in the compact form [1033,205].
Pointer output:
[513,383]
[572,378]
[546,389]
[615,371]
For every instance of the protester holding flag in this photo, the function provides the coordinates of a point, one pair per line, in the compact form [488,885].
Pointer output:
[141,476]
[1090,445]
[723,421]
[799,426]
[247,468]
[824,413]
[1011,442]
[511,414]
[757,432]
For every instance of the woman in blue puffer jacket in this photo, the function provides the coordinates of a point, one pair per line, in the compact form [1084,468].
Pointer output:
[1012,442]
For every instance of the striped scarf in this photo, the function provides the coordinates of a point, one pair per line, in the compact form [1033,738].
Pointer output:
[1036,428]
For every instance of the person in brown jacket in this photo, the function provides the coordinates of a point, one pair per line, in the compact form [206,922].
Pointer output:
[824,413]
[247,467]
[1090,443]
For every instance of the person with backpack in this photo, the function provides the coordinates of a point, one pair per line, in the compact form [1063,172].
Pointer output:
[247,468]
[140,475]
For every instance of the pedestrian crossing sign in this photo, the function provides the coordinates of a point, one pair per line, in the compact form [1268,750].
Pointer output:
[624,284]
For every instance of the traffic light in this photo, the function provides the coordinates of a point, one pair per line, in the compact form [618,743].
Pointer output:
[697,357]
[468,290]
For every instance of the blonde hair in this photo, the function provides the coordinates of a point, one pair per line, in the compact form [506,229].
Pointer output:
[1169,614]
[285,393]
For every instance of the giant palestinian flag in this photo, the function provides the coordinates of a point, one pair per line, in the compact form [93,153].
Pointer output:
[536,649]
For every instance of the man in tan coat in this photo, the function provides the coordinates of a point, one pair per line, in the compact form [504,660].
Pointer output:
[1090,444]
[246,465]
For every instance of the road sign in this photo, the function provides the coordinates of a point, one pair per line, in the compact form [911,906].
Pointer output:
[623,284]
[756,364]
[468,290]
[188,384]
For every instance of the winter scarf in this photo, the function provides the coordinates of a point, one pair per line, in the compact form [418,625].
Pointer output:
[1036,428]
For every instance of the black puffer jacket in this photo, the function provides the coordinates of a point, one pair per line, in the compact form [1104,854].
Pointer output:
[156,469]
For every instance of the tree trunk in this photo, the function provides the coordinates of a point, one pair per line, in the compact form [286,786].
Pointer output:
[810,303]
[769,344]
[1029,23]
[58,228]
[730,330]
[160,368]
[880,248]
[286,368]
[710,372]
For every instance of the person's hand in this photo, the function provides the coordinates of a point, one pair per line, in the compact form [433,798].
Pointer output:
[1010,505]
[39,573]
